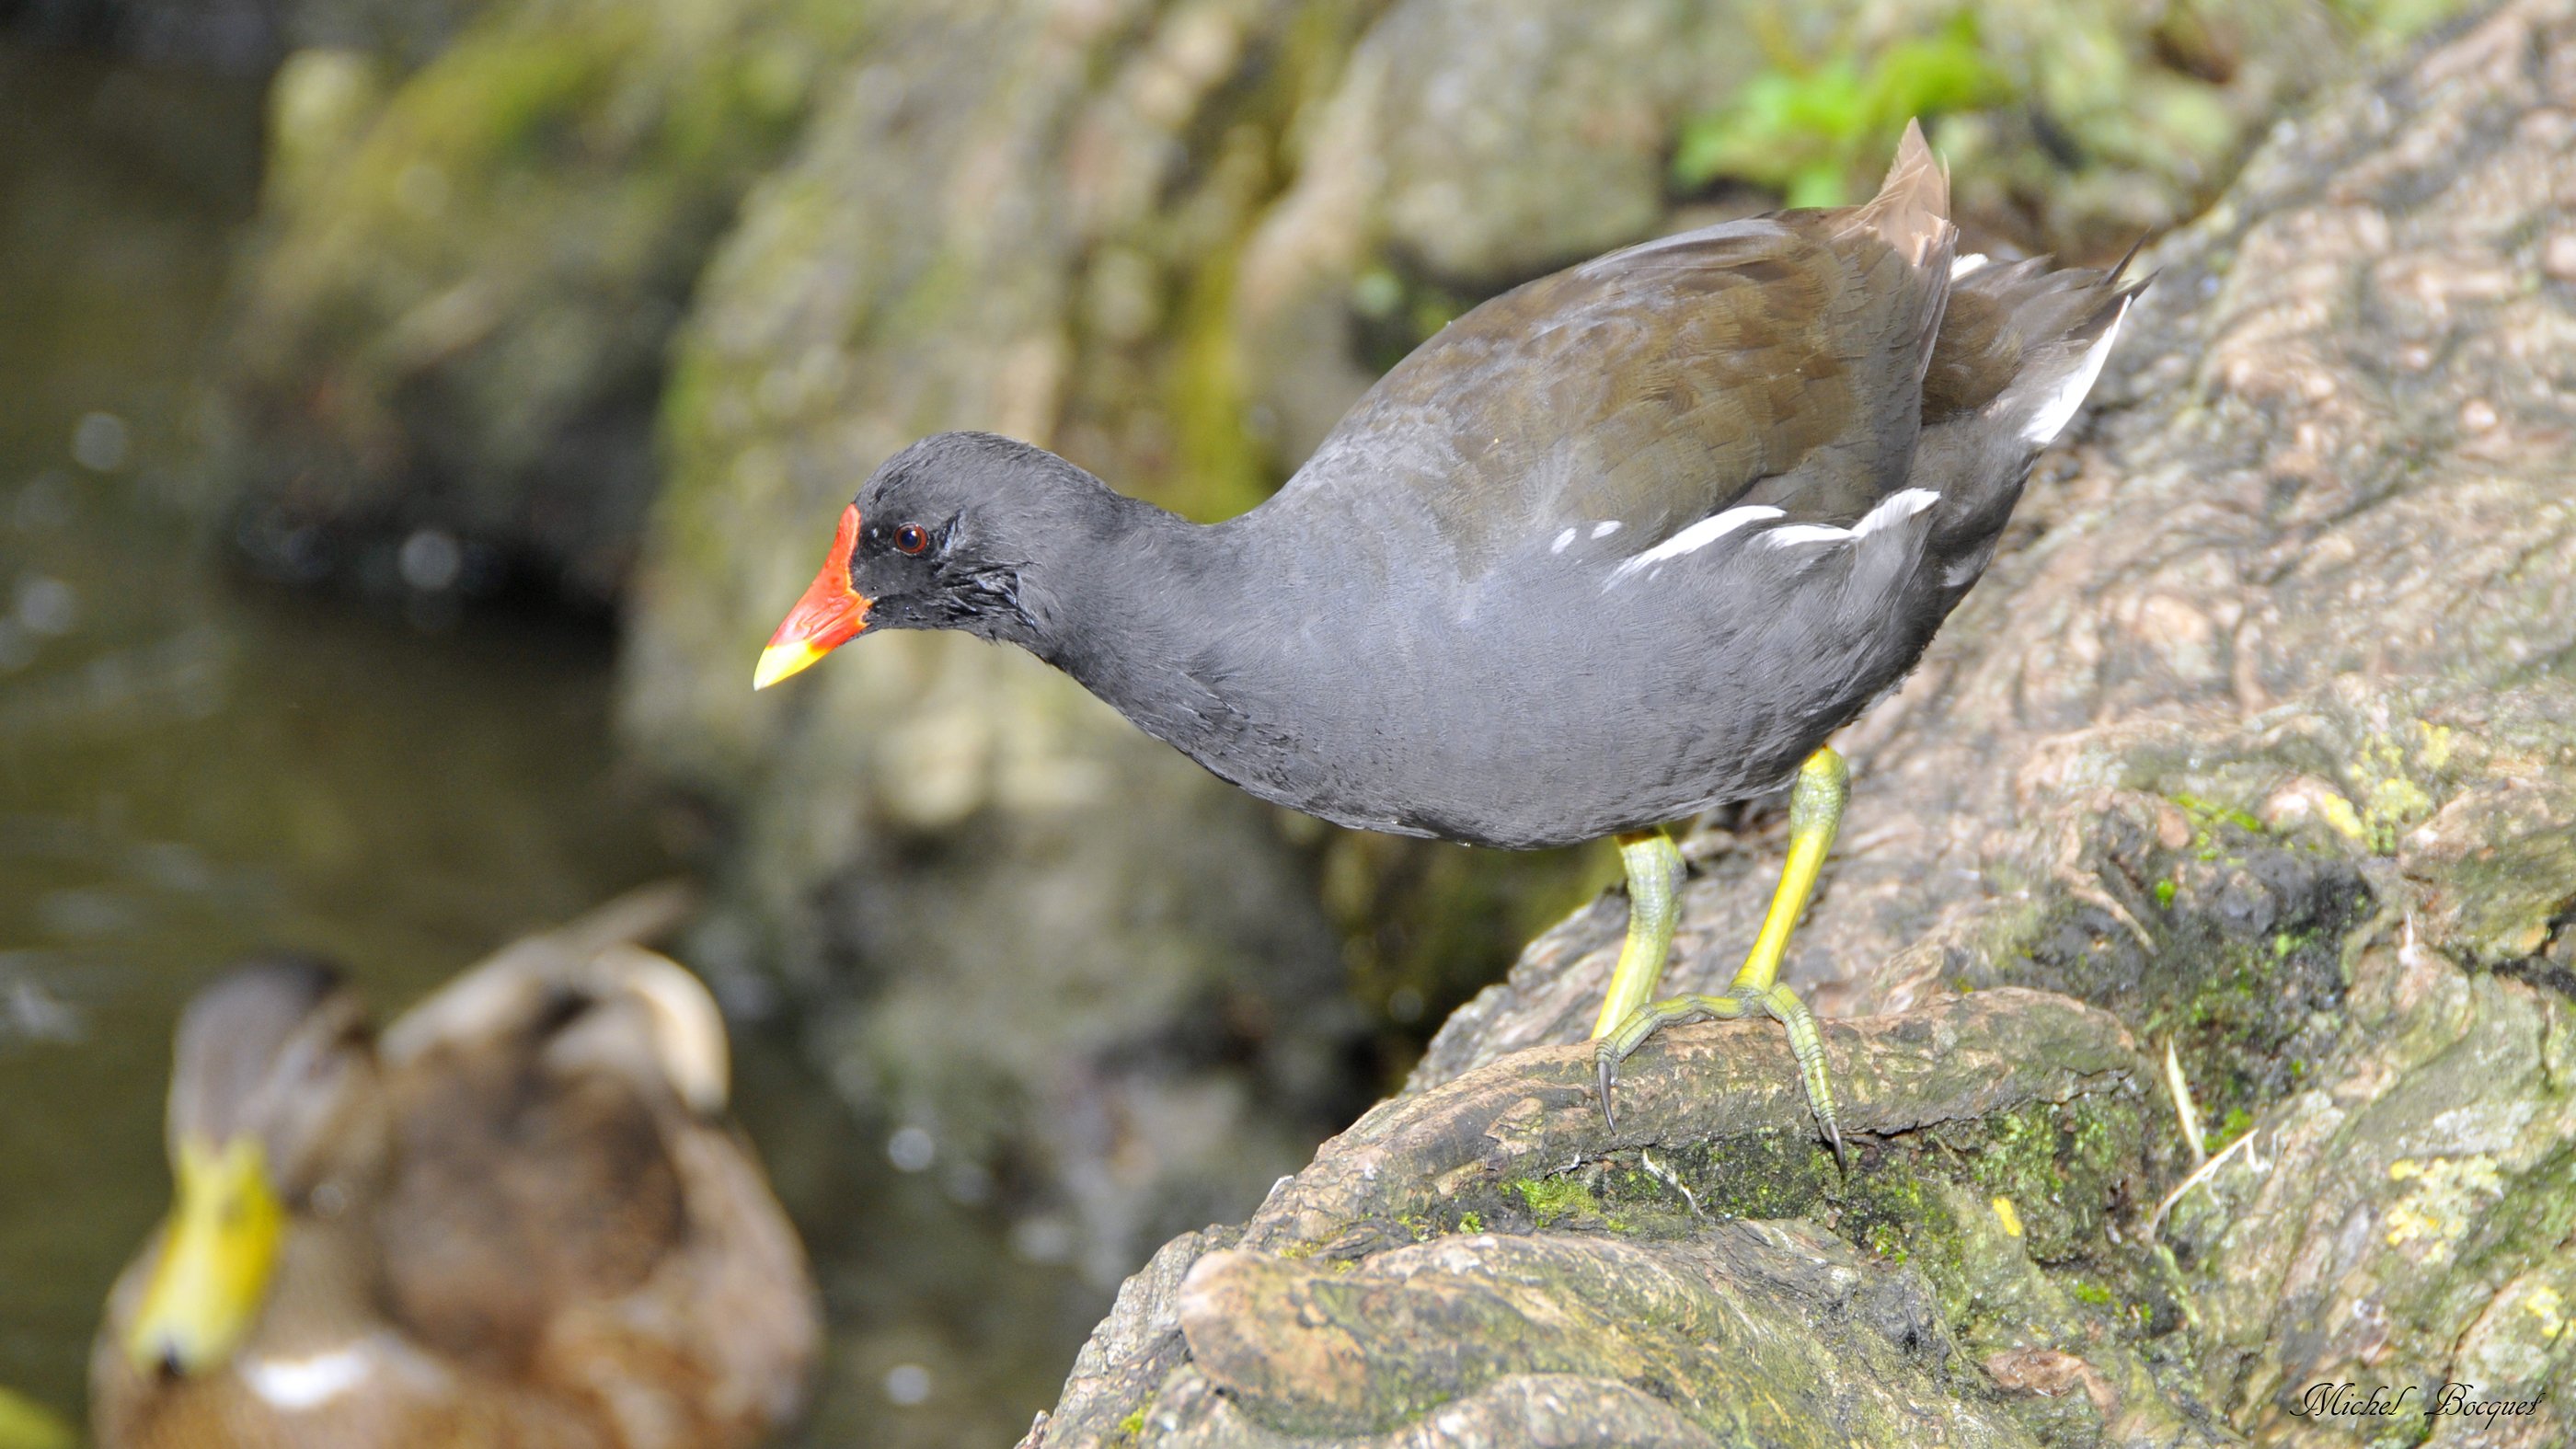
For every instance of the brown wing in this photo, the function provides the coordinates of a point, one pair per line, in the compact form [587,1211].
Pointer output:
[1778,359]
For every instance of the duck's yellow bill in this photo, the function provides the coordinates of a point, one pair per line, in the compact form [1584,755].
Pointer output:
[217,1257]
[830,615]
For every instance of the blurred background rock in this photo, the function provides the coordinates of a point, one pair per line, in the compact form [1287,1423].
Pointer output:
[508,334]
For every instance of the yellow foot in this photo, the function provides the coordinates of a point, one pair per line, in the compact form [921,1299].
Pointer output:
[1775,1001]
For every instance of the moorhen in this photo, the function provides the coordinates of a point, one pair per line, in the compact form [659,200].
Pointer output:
[1621,544]
[519,1219]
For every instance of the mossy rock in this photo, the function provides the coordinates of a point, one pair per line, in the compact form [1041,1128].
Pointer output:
[453,324]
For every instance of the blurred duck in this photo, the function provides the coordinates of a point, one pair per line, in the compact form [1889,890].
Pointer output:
[520,1219]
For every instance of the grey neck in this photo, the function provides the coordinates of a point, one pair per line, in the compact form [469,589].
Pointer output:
[1154,619]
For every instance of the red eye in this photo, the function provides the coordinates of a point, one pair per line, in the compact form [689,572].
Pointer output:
[912,538]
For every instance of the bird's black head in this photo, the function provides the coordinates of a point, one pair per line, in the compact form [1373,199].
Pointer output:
[947,534]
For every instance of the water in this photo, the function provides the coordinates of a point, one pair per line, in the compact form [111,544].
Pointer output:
[192,766]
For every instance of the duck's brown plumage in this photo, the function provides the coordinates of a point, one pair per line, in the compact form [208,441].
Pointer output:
[542,1233]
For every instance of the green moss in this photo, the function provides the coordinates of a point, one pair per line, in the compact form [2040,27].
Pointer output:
[2235,1124]
[2041,1181]
[2242,966]
[503,96]
[1552,1200]
[1471,1222]
[1224,470]
[2205,813]
[2387,778]
[2055,1165]
[1763,1175]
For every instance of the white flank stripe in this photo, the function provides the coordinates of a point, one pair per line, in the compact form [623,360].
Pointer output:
[1562,542]
[2059,409]
[1896,507]
[1604,530]
[1797,533]
[310,1382]
[1698,536]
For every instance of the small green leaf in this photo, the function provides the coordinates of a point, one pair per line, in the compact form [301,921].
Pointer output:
[1810,133]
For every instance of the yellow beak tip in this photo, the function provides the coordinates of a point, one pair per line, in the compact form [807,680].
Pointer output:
[781,660]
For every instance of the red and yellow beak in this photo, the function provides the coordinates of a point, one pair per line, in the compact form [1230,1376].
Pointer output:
[830,615]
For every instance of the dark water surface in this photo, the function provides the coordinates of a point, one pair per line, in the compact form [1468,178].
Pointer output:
[191,767]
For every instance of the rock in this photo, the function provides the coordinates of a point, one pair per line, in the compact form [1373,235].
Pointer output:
[449,347]
[2256,737]
[1485,1262]
[1547,1336]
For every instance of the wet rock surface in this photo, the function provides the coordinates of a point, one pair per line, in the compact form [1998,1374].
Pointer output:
[2258,741]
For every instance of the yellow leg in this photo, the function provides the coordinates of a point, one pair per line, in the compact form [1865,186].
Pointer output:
[1815,812]
[1654,903]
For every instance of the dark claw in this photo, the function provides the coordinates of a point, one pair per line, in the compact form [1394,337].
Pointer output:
[1609,1071]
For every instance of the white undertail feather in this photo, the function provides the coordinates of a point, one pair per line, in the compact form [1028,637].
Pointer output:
[1966,264]
[2059,408]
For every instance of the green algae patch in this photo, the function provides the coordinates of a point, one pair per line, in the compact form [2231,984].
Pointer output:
[1563,1199]
[2061,1172]
[2230,948]
[2013,1223]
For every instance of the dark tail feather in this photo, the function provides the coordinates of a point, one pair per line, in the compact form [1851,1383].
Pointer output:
[2015,327]
[2018,351]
